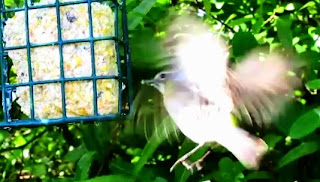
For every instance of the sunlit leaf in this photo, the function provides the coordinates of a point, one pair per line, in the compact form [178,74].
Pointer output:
[207,6]
[240,20]
[279,9]
[256,27]
[308,4]
[290,7]
[10,3]
[19,140]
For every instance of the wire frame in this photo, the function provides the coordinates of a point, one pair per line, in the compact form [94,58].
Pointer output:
[123,76]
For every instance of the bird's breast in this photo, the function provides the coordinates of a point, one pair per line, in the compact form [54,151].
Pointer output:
[197,117]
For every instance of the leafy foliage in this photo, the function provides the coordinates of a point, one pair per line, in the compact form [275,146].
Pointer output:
[112,152]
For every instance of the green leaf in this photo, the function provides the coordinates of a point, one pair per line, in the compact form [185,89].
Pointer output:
[58,180]
[256,27]
[290,7]
[219,4]
[156,139]
[229,171]
[259,175]
[240,21]
[313,84]
[151,58]
[3,135]
[207,6]
[181,173]
[242,43]
[84,165]
[76,154]
[111,178]
[279,9]
[10,3]
[298,152]
[284,32]
[272,140]
[39,170]
[120,166]
[305,124]
[136,15]
[308,4]
[225,164]
[164,2]
[159,179]
[19,140]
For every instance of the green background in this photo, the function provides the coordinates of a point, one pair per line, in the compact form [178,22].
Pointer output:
[118,151]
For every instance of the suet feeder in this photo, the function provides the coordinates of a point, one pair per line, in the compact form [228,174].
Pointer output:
[64,61]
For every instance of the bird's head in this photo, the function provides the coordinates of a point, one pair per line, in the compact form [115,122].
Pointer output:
[160,80]
[167,81]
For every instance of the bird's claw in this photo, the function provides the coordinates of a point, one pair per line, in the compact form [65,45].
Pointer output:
[188,165]
[181,160]
[195,165]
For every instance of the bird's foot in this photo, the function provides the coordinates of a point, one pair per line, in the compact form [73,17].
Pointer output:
[181,160]
[185,156]
[191,166]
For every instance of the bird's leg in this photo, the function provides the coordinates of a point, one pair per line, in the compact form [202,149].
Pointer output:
[196,164]
[187,155]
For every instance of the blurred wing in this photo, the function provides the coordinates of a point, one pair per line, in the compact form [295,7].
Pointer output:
[260,86]
[150,117]
[199,54]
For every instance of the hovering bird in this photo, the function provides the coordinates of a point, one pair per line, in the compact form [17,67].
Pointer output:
[200,91]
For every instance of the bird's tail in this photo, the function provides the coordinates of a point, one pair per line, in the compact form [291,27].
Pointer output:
[247,148]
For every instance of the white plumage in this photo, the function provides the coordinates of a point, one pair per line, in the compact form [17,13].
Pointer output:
[201,92]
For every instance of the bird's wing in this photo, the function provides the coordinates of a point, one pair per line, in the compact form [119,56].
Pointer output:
[257,86]
[199,54]
[260,85]
[150,117]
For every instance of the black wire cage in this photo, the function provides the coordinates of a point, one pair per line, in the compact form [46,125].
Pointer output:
[122,59]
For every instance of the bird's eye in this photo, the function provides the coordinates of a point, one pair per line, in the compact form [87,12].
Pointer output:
[162,76]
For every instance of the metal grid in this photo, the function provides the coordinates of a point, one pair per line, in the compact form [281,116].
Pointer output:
[122,56]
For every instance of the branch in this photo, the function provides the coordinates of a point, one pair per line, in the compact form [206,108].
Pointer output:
[227,26]
[24,145]
[197,5]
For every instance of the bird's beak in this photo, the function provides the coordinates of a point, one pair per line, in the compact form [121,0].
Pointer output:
[150,82]
[153,83]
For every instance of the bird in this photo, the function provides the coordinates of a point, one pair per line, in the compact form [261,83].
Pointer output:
[201,91]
